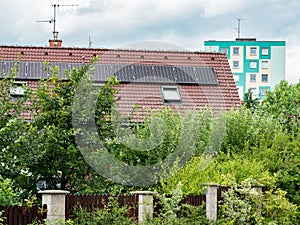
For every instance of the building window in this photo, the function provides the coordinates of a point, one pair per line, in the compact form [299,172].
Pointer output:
[264,64]
[253,91]
[253,78]
[236,50]
[224,50]
[253,65]
[263,91]
[265,51]
[253,50]
[264,78]
[236,64]
[236,77]
[18,89]
[171,94]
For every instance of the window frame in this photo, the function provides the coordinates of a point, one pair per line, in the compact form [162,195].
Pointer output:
[265,64]
[171,100]
[265,51]
[253,80]
[252,63]
[265,75]
[17,91]
[235,66]
[253,53]
[234,52]
[224,50]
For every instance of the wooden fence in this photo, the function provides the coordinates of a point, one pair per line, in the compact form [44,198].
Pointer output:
[99,201]
[22,215]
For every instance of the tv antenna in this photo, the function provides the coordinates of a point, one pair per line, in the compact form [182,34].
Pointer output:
[53,20]
[239,26]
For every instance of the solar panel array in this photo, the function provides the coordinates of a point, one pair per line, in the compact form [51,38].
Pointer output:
[135,73]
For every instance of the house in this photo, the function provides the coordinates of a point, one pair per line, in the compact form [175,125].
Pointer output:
[151,79]
[256,65]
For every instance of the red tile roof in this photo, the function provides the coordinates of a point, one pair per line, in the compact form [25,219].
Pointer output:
[223,95]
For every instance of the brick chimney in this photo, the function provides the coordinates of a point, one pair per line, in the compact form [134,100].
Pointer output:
[55,43]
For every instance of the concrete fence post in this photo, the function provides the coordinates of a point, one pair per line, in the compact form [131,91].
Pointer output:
[55,201]
[211,201]
[145,205]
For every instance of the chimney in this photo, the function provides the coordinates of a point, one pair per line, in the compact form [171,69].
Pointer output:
[55,43]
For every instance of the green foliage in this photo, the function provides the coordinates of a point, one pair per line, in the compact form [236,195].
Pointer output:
[283,104]
[278,210]
[249,102]
[245,130]
[283,160]
[170,204]
[111,214]
[240,205]
[226,169]
[7,195]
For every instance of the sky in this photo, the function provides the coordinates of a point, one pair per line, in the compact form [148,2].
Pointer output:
[184,23]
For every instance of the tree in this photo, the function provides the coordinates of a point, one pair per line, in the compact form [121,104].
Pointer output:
[12,130]
[283,103]
[49,150]
[249,102]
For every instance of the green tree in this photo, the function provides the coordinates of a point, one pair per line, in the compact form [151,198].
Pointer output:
[283,104]
[49,150]
[250,102]
[13,128]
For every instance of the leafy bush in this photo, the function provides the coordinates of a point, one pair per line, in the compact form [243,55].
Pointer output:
[283,104]
[240,205]
[7,195]
[226,169]
[111,214]
[278,210]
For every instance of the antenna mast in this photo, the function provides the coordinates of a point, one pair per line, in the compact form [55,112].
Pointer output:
[53,20]
[239,27]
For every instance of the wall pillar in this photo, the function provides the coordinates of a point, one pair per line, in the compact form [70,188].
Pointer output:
[211,201]
[145,205]
[55,201]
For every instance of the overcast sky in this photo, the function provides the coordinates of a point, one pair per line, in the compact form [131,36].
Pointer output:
[186,23]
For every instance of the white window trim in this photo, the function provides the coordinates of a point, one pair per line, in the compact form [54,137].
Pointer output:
[168,99]
[263,51]
[18,90]
[252,63]
[264,64]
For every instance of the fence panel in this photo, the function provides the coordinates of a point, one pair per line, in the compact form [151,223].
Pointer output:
[99,201]
[194,200]
[22,215]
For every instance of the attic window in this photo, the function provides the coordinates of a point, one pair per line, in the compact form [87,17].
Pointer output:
[18,89]
[171,94]
[189,58]
[142,57]
[118,56]
[22,53]
[166,57]
[70,54]
[46,53]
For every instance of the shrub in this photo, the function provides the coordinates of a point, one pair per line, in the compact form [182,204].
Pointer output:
[7,195]
[112,214]
[278,210]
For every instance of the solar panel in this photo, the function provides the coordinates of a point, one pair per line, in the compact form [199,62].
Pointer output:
[133,73]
